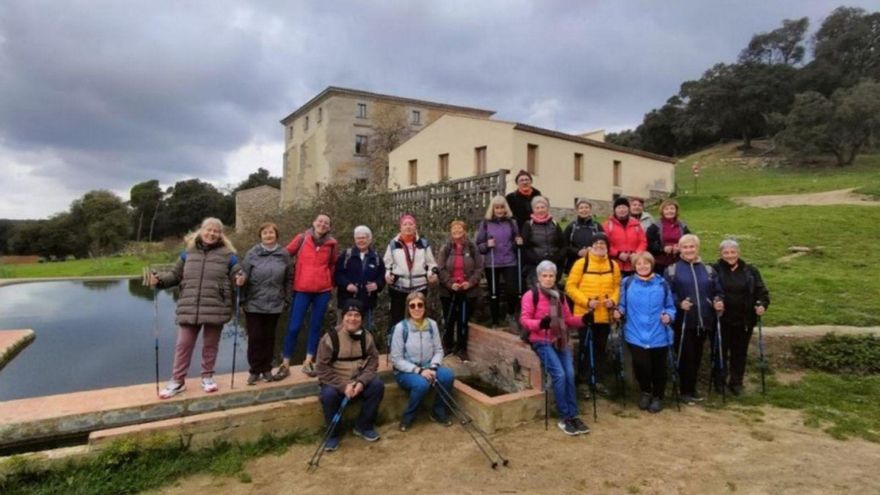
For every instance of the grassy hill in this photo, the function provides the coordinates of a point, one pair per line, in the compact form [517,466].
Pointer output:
[837,282]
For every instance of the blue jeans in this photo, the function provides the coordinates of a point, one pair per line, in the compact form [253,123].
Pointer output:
[560,367]
[331,398]
[301,302]
[418,387]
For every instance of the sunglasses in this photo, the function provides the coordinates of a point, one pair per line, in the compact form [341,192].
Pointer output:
[416,305]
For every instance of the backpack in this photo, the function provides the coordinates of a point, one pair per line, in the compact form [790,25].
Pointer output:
[523,331]
[574,228]
[613,266]
[405,336]
[334,340]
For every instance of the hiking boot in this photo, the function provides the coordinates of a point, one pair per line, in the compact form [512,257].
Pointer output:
[443,420]
[370,435]
[404,427]
[309,369]
[697,397]
[332,444]
[688,400]
[209,385]
[644,401]
[171,389]
[582,427]
[584,390]
[463,355]
[252,378]
[656,405]
[282,373]
[736,390]
[567,427]
[266,376]
[602,390]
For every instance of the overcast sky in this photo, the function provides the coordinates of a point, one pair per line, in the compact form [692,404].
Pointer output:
[105,94]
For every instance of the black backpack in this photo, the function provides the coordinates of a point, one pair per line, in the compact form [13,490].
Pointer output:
[334,340]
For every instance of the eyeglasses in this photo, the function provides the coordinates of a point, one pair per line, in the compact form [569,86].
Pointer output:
[416,305]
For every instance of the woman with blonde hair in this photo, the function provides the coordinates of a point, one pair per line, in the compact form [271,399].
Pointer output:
[204,271]
[498,240]
[663,235]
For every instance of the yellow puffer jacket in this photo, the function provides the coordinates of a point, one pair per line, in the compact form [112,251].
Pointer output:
[599,281]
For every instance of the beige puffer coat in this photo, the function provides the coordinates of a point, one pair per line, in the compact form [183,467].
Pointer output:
[206,289]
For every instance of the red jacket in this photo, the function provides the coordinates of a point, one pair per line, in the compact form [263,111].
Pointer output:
[314,264]
[629,239]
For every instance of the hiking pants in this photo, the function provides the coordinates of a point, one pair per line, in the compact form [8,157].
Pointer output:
[455,324]
[331,398]
[418,387]
[260,340]
[649,366]
[186,342]
[691,356]
[301,302]
[559,366]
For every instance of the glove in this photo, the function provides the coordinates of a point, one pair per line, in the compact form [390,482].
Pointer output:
[545,323]
[587,318]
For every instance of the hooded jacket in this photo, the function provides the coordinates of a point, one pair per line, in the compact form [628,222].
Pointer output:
[409,278]
[504,231]
[624,239]
[735,309]
[600,281]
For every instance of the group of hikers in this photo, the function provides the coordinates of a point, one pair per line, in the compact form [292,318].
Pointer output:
[643,275]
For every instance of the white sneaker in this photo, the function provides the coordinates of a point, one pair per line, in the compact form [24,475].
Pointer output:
[171,389]
[209,385]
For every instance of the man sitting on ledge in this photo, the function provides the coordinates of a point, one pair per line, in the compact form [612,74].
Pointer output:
[347,365]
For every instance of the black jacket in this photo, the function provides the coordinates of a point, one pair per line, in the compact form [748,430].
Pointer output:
[756,289]
[542,241]
[521,206]
[576,236]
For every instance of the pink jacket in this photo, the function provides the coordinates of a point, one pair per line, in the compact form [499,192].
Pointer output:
[531,315]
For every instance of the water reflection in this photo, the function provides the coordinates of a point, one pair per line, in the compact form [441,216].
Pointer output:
[88,340]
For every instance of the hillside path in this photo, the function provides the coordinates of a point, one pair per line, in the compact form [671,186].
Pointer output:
[837,197]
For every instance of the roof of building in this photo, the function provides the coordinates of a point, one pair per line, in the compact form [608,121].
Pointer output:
[334,90]
[591,142]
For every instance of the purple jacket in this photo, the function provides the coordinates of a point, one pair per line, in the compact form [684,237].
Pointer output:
[504,231]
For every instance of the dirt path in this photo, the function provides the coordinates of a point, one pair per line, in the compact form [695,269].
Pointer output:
[818,330]
[838,197]
[695,451]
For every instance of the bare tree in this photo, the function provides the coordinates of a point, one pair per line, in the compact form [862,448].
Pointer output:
[390,130]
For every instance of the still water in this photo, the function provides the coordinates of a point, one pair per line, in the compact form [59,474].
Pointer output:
[99,334]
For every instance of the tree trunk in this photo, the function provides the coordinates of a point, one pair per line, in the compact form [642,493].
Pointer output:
[153,220]
[140,226]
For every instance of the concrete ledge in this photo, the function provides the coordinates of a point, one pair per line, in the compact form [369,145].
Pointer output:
[13,281]
[12,342]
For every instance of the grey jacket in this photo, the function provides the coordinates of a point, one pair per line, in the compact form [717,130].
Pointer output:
[205,278]
[268,280]
[422,349]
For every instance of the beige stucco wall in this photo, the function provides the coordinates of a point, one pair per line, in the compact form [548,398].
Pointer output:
[457,136]
[507,148]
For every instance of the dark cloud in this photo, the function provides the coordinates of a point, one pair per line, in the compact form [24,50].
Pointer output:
[105,94]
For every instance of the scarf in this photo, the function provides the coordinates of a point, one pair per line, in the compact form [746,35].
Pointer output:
[271,248]
[525,191]
[558,331]
[543,219]
[319,241]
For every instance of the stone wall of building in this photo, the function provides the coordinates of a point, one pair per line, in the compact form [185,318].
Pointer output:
[253,206]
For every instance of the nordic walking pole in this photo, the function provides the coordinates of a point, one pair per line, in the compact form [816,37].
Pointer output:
[672,369]
[316,457]
[620,363]
[468,423]
[720,355]
[155,325]
[492,269]
[519,269]
[235,337]
[592,371]
[762,363]
[546,382]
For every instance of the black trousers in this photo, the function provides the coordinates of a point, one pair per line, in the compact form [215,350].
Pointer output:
[600,345]
[398,305]
[261,340]
[455,322]
[506,287]
[649,366]
[735,337]
[690,358]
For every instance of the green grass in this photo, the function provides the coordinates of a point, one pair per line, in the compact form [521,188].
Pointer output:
[722,173]
[841,405]
[831,285]
[128,468]
[112,265]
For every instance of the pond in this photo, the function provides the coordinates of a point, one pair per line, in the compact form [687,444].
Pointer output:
[98,334]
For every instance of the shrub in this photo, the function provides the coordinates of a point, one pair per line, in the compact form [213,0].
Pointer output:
[840,354]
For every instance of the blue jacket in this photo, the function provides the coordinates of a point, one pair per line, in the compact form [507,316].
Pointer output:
[642,302]
[699,282]
[350,270]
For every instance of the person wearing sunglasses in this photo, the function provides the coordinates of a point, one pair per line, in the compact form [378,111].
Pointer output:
[417,356]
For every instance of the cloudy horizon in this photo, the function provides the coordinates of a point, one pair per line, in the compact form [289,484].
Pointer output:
[102,95]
